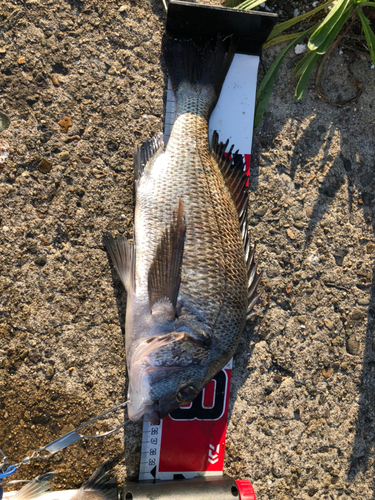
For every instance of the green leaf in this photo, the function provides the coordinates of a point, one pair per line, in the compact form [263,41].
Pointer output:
[369,34]
[266,85]
[303,63]
[249,4]
[287,24]
[320,35]
[334,32]
[281,39]
[301,86]
[367,4]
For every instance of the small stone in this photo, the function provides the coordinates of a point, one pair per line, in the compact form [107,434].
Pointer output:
[123,8]
[370,247]
[55,82]
[98,174]
[357,315]
[50,372]
[41,261]
[261,211]
[44,166]
[311,491]
[339,256]
[278,378]
[299,225]
[85,159]
[65,123]
[288,290]
[21,60]
[64,155]
[329,324]
[352,346]
[327,372]
[72,138]
[5,229]
[344,366]
[290,233]
[24,354]
[363,302]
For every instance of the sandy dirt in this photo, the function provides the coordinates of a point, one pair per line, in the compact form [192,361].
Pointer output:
[82,83]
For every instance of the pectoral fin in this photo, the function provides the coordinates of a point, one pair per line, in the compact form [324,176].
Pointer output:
[123,257]
[165,271]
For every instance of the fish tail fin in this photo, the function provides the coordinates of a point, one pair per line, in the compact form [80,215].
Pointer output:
[123,257]
[202,65]
[35,487]
[102,482]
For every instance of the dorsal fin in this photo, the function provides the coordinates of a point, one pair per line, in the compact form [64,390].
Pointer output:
[233,170]
[164,275]
[147,150]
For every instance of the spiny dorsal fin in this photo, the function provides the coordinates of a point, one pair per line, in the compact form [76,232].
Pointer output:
[145,152]
[233,170]
[164,275]
[123,257]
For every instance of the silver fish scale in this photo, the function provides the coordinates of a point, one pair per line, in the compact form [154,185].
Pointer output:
[213,286]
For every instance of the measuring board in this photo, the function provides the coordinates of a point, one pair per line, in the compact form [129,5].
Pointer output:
[190,441]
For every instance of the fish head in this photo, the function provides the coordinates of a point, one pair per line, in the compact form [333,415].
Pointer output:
[167,371]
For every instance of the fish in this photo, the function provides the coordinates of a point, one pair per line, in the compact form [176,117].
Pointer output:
[190,273]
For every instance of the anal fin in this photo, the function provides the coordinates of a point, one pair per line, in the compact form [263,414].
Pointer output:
[123,257]
[165,271]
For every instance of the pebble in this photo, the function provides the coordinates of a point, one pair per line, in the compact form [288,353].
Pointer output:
[357,314]
[21,60]
[352,346]
[363,302]
[98,174]
[370,247]
[329,324]
[64,155]
[65,123]
[73,138]
[50,372]
[261,211]
[299,225]
[44,166]
[290,233]
[85,159]
[41,260]
[5,229]
[123,216]
[327,372]
[55,81]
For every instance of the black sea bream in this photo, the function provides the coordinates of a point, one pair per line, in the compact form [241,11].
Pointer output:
[190,275]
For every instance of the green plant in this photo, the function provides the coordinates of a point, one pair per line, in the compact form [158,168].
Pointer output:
[324,36]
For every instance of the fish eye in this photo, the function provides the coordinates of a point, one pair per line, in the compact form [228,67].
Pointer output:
[186,394]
